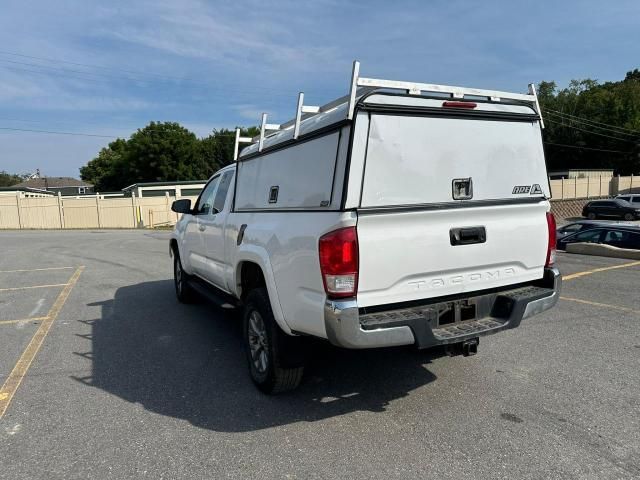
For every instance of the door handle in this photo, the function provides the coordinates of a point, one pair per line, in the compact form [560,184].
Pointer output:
[202,228]
[467,235]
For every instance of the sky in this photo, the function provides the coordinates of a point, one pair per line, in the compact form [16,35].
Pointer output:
[105,69]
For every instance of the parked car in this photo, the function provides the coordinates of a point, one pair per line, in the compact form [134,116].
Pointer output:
[616,236]
[379,220]
[632,198]
[581,225]
[611,208]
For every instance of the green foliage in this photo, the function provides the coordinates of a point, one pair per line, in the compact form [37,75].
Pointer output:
[8,179]
[593,125]
[160,152]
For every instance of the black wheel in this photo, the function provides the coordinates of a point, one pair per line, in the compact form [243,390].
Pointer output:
[276,360]
[184,292]
[591,216]
[628,217]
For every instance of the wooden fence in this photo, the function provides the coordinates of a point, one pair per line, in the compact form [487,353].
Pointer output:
[17,212]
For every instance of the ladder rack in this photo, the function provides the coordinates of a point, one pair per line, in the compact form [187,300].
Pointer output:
[360,85]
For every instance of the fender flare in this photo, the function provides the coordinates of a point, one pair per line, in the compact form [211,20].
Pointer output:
[259,256]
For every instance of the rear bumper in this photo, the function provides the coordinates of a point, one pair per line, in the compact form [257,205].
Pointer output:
[422,325]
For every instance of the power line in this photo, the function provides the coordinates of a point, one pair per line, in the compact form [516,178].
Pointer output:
[94,134]
[141,77]
[591,132]
[586,148]
[88,65]
[589,125]
[58,133]
[586,120]
[568,122]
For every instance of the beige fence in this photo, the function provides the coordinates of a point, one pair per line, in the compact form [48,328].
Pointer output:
[568,188]
[18,212]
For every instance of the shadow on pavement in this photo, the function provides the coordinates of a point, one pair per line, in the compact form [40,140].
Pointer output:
[187,362]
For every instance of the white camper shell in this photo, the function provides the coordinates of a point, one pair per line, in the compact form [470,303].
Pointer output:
[442,190]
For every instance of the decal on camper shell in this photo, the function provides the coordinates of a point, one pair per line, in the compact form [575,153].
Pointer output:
[534,189]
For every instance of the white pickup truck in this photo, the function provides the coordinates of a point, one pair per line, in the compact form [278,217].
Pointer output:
[401,214]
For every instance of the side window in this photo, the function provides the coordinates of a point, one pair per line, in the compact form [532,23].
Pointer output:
[635,200]
[589,236]
[223,189]
[615,236]
[572,228]
[205,200]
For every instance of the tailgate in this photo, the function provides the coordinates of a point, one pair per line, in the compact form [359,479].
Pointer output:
[409,255]
[450,205]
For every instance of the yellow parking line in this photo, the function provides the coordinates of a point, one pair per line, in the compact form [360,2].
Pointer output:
[32,286]
[604,305]
[36,269]
[596,270]
[9,322]
[12,383]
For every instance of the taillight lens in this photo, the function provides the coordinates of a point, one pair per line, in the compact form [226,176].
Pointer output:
[339,262]
[453,104]
[551,246]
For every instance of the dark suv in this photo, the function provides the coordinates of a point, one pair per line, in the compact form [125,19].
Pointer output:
[611,208]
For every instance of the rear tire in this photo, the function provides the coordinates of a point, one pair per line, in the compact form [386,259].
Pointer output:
[276,360]
[184,292]
[591,216]
[628,217]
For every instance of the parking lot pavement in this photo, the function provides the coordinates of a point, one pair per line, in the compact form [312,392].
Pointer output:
[127,383]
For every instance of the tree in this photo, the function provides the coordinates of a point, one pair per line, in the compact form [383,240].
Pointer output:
[161,152]
[104,171]
[8,179]
[217,148]
[592,125]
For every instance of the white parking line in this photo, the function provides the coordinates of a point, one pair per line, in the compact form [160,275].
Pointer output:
[36,269]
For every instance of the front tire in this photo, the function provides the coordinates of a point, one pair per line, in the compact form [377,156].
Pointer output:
[184,292]
[276,362]
[591,216]
[628,217]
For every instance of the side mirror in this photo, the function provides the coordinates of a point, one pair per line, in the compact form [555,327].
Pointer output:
[181,206]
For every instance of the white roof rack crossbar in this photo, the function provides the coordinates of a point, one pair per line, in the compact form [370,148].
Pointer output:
[264,126]
[456,92]
[239,140]
[532,92]
[300,109]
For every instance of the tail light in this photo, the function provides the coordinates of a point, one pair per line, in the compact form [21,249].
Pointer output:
[551,246]
[339,262]
[452,104]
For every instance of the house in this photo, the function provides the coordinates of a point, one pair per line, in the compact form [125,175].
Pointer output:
[24,192]
[189,188]
[63,185]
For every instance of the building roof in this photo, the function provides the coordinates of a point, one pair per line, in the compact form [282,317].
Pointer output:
[45,183]
[17,188]
[162,184]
